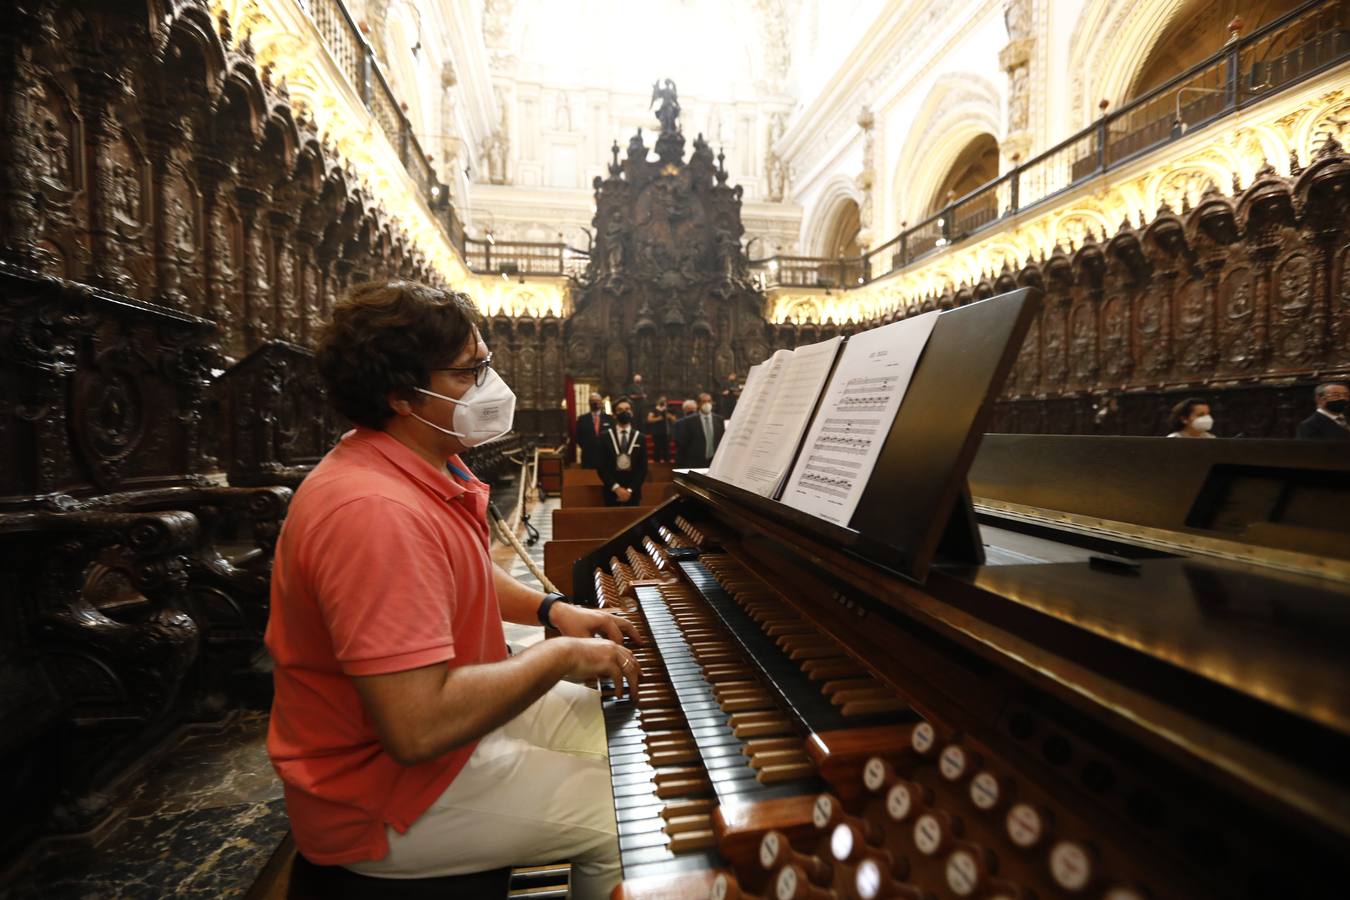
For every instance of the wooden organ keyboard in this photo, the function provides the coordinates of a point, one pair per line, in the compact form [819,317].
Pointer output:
[1085,715]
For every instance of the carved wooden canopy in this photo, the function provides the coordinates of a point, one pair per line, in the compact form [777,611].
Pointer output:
[667,292]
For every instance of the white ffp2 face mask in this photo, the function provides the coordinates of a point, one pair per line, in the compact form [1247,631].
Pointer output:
[484,412]
[1202,423]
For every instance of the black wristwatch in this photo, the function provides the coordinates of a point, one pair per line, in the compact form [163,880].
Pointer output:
[547,604]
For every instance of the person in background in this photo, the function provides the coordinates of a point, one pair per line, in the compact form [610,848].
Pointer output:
[698,435]
[590,426]
[660,421]
[688,410]
[1191,419]
[1328,422]
[409,743]
[622,459]
[637,393]
[731,392]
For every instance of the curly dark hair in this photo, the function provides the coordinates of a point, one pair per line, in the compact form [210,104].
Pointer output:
[1182,411]
[389,336]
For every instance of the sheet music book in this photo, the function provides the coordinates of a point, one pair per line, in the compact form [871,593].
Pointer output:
[771,417]
[731,452]
[855,417]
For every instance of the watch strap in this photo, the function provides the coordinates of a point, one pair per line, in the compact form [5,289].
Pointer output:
[546,606]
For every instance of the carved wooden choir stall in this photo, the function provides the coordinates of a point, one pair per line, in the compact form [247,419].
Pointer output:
[173,231]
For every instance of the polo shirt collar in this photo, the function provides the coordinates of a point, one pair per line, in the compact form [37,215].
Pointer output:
[411,464]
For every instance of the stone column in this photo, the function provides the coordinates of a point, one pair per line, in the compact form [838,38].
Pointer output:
[866,179]
[1015,59]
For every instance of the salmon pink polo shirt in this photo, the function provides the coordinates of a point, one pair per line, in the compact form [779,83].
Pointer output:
[382,566]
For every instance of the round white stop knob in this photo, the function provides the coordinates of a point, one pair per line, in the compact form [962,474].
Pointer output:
[1070,865]
[868,879]
[985,791]
[1026,825]
[953,762]
[963,873]
[824,811]
[876,773]
[922,738]
[768,850]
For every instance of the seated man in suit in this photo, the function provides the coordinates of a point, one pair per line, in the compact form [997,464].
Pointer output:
[622,459]
[590,428]
[1328,422]
[698,434]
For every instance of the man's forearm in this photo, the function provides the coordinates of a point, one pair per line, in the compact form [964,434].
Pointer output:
[474,700]
[519,603]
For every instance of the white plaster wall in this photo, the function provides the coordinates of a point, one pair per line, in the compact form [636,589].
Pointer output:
[961,72]
[928,69]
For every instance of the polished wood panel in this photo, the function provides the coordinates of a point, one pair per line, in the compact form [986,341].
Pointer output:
[595,521]
[653,494]
[560,554]
[1173,717]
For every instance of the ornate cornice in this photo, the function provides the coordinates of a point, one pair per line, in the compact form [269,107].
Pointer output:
[1176,177]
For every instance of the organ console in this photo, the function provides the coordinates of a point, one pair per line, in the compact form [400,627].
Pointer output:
[1145,699]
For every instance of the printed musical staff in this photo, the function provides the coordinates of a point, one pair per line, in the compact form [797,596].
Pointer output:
[849,430]
[771,417]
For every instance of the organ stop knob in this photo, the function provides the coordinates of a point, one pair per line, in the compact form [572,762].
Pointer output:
[873,882]
[776,852]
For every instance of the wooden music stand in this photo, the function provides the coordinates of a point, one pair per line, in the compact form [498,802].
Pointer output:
[916,501]
[916,508]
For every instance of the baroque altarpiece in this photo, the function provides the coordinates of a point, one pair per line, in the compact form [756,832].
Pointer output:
[667,292]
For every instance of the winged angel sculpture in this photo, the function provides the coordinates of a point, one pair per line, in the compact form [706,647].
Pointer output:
[669,111]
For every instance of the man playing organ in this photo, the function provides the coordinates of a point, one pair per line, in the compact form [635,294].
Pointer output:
[410,743]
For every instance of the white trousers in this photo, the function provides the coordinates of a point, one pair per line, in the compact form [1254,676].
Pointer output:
[535,791]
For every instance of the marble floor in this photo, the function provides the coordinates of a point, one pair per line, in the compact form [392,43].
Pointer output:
[541,517]
[203,821]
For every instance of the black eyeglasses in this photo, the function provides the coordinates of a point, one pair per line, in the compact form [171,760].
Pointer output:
[479,369]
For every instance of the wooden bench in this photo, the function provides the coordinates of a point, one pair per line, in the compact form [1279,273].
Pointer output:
[560,555]
[656,473]
[575,495]
[289,876]
[595,521]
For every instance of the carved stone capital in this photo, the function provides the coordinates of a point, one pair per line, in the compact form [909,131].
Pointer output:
[1016,53]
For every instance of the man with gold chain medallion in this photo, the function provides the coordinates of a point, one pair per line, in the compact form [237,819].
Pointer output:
[622,464]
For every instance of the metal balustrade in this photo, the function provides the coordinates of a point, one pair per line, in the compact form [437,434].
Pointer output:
[353,55]
[1306,41]
[520,258]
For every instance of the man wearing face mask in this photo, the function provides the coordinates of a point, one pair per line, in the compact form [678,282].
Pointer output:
[698,435]
[410,745]
[623,459]
[1328,423]
[590,428]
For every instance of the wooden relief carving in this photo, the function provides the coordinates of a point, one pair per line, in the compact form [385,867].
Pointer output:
[1341,309]
[59,189]
[1117,361]
[1236,321]
[224,298]
[1192,320]
[1291,326]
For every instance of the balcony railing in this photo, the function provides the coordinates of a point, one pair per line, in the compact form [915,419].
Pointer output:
[810,271]
[520,258]
[353,54]
[1308,40]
